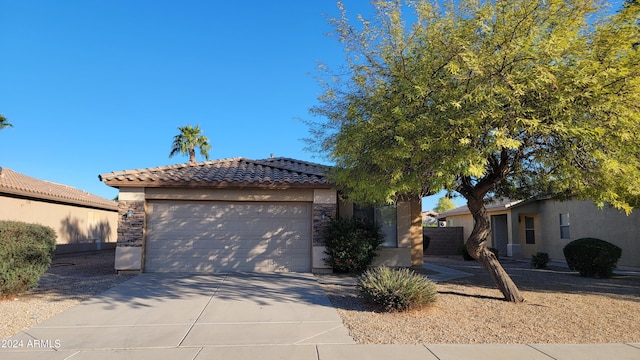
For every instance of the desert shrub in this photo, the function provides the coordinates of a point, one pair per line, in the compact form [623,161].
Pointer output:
[396,289]
[25,254]
[539,260]
[462,250]
[592,257]
[351,244]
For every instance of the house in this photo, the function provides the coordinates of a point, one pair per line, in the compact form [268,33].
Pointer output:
[242,215]
[82,221]
[429,218]
[523,228]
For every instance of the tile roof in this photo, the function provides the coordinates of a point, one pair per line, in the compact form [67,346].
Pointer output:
[14,183]
[240,172]
[491,205]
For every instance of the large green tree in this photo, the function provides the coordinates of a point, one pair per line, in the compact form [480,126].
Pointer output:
[188,140]
[4,122]
[485,98]
[444,204]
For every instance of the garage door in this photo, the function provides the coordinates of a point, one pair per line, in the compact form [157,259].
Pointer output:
[210,236]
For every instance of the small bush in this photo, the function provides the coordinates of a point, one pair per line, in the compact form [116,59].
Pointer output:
[351,244]
[539,260]
[462,250]
[396,289]
[592,257]
[25,254]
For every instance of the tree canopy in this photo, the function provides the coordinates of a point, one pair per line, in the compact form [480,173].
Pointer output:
[4,122]
[482,98]
[444,204]
[188,140]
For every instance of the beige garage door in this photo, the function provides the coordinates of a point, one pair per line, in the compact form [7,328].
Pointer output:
[211,236]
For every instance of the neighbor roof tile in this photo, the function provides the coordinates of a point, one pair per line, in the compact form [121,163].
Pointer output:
[14,183]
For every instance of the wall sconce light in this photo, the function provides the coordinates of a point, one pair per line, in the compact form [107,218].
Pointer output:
[323,214]
[128,214]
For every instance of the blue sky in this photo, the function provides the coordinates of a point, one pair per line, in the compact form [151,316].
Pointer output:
[94,86]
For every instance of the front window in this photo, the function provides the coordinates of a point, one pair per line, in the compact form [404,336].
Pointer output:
[564,227]
[529,230]
[385,216]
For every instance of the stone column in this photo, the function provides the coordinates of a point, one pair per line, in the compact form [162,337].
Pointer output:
[325,206]
[131,224]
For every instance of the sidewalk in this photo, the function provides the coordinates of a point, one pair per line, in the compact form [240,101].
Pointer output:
[482,352]
[349,351]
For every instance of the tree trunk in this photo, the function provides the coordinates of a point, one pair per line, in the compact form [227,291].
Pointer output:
[192,155]
[476,246]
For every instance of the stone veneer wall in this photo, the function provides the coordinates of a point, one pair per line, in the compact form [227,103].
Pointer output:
[130,230]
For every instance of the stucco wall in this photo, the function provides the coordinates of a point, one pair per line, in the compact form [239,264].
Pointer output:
[465,221]
[586,220]
[78,228]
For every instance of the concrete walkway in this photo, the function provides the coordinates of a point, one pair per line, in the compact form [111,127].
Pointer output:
[444,273]
[239,316]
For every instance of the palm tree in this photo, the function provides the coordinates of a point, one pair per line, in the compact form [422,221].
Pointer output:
[187,140]
[4,123]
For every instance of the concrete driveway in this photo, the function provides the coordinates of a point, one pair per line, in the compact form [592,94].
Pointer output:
[179,316]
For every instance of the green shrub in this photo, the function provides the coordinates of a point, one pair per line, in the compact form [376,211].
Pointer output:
[462,250]
[25,254]
[592,257]
[351,244]
[539,260]
[396,289]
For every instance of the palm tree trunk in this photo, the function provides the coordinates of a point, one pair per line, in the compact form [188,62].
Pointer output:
[192,155]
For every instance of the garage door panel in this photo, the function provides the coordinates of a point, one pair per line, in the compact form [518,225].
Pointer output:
[212,236]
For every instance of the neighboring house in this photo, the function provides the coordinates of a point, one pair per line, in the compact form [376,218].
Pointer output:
[523,228]
[82,221]
[429,218]
[242,215]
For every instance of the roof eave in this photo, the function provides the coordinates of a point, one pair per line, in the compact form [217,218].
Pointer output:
[216,184]
[57,199]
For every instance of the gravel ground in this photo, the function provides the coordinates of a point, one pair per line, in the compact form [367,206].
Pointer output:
[69,280]
[560,307]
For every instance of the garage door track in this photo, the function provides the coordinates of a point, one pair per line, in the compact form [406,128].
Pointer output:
[186,316]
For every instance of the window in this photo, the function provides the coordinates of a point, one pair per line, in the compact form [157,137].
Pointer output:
[564,227]
[529,230]
[386,217]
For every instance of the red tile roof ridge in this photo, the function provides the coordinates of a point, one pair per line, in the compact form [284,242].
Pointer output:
[271,163]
